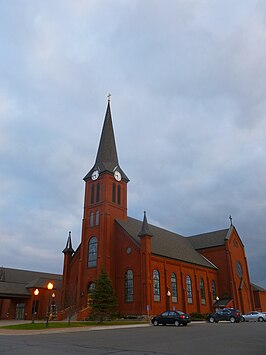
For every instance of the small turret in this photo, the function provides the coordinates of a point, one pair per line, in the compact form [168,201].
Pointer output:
[145,249]
[68,248]
[145,228]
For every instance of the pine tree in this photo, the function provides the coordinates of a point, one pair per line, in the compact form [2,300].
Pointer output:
[102,299]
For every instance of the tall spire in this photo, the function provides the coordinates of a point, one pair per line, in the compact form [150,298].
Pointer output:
[107,159]
[145,227]
[107,154]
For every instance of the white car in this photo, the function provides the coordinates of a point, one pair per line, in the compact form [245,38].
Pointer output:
[254,316]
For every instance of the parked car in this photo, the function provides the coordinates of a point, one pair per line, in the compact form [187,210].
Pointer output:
[228,314]
[255,316]
[171,317]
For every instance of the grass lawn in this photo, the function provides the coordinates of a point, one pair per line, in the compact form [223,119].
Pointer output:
[38,326]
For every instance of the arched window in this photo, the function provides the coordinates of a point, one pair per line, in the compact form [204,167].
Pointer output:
[202,292]
[156,285]
[91,219]
[174,287]
[119,194]
[97,218]
[129,287]
[214,290]
[98,192]
[189,289]
[92,252]
[91,287]
[114,193]
[92,193]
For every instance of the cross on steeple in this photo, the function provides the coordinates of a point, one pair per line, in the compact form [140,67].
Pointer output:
[109,97]
[231,220]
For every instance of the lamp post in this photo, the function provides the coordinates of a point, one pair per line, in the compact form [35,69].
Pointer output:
[53,305]
[50,286]
[36,292]
[216,299]
[168,294]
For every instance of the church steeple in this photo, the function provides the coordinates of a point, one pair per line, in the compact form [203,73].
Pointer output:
[107,158]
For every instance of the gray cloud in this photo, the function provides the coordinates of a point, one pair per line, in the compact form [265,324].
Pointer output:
[188,83]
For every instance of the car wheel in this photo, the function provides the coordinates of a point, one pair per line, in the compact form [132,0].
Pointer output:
[155,322]
[260,319]
[177,323]
[184,324]
[211,319]
[232,319]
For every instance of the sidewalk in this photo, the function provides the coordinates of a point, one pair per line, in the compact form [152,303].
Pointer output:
[59,330]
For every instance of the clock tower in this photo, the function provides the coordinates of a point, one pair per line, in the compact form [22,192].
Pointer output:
[105,200]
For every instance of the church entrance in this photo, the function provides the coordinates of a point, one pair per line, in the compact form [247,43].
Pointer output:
[20,311]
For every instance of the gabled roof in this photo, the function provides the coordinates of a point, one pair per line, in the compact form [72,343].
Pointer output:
[165,243]
[107,159]
[210,239]
[17,282]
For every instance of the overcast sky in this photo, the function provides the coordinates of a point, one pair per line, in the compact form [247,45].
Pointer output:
[188,85]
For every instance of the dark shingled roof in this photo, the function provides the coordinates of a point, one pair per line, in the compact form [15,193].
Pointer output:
[16,282]
[107,159]
[166,243]
[210,239]
[257,288]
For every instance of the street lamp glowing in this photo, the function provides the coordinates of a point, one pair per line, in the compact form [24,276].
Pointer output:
[168,293]
[36,292]
[50,286]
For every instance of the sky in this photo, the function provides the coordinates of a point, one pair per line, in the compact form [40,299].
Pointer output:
[188,84]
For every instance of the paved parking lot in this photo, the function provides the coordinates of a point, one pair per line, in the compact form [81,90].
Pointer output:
[196,338]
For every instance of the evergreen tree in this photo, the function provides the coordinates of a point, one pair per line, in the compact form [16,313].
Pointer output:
[102,299]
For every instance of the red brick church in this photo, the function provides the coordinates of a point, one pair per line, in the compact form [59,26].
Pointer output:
[152,269]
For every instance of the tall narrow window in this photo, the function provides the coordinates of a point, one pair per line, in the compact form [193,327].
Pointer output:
[174,287]
[98,192]
[97,218]
[91,219]
[202,292]
[92,193]
[114,193]
[189,289]
[213,290]
[92,252]
[129,287]
[119,194]
[156,285]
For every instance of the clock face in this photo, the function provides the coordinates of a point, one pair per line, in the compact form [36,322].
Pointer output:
[117,175]
[95,175]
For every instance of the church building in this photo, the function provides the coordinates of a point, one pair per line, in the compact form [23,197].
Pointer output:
[151,269]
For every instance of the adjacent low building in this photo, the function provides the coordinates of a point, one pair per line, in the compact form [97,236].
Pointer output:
[17,297]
